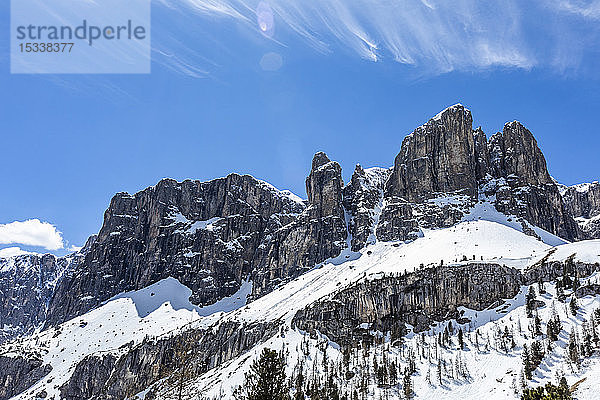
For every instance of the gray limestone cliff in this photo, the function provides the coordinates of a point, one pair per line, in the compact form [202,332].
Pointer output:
[210,236]
[349,316]
[363,199]
[424,297]
[438,157]
[583,202]
[213,235]
[445,166]
[19,373]
[27,284]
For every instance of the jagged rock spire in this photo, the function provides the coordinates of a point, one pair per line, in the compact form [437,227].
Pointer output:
[437,157]
[324,187]
[514,151]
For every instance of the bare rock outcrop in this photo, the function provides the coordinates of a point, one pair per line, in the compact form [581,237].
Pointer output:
[27,284]
[419,299]
[438,157]
[19,373]
[583,202]
[363,198]
[448,162]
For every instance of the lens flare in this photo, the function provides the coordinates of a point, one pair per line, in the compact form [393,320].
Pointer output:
[265,19]
[271,61]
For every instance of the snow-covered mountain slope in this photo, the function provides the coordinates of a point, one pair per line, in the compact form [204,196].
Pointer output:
[124,321]
[484,237]
[488,366]
[487,241]
[27,283]
[587,251]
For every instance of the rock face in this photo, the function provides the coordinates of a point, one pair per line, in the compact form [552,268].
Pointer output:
[447,163]
[324,188]
[438,157]
[192,352]
[18,374]
[210,236]
[205,234]
[523,186]
[583,202]
[482,155]
[363,198]
[514,153]
[317,234]
[418,299]
[27,284]
[425,297]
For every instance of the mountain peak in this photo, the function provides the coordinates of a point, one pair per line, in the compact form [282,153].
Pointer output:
[319,159]
[453,109]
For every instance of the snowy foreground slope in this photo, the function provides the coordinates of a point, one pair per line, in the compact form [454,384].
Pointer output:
[489,365]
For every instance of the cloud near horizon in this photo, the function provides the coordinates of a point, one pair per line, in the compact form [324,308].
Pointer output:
[12,251]
[31,232]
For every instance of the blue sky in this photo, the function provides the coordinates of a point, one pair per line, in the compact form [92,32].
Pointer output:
[236,90]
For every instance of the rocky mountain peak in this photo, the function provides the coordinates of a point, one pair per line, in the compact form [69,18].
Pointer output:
[362,199]
[437,157]
[453,112]
[482,154]
[324,187]
[359,172]
[27,284]
[515,152]
[319,159]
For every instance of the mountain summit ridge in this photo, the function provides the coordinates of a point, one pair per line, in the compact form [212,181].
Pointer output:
[272,236]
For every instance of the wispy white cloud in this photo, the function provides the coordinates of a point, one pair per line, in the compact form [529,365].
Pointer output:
[584,8]
[31,232]
[435,36]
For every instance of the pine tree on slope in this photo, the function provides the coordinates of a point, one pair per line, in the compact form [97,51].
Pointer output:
[266,379]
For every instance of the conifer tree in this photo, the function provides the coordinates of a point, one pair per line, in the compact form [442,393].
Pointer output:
[575,284]
[526,362]
[536,354]
[407,388]
[595,338]
[573,348]
[541,287]
[299,383]
[553,327]
[530,302]
[393,373]
[266,379]
[586,340]
[573,305]
[537,325]
[560,293]
[548,392]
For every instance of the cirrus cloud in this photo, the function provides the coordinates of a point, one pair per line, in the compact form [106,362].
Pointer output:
[31,232]
[434,36]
